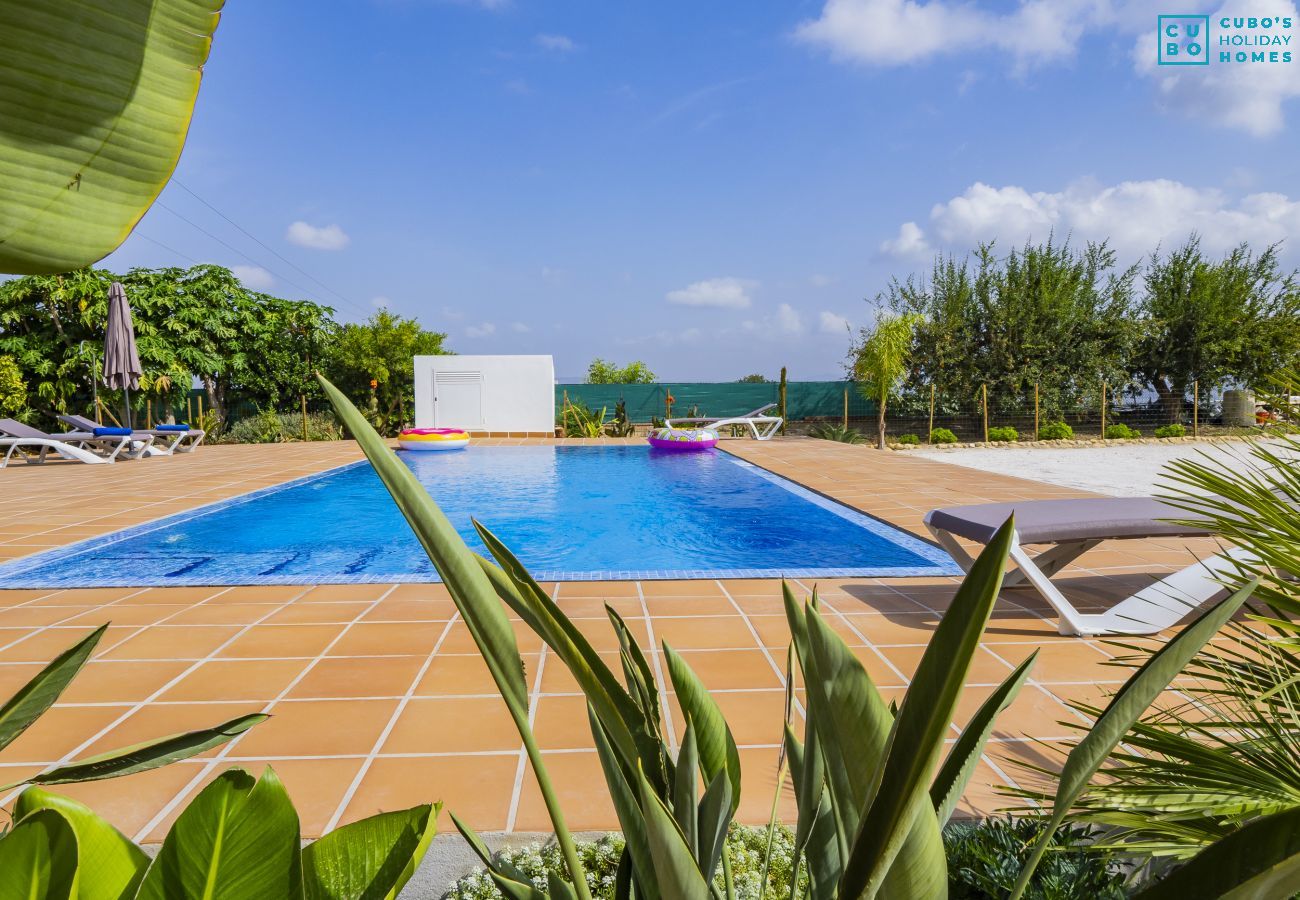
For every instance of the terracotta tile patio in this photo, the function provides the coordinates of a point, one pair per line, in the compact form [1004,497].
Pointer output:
[379,699]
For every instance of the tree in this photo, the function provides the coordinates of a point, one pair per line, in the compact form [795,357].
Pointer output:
[1234,320]
[754,379]
[603,372]
[882,361]
[190,323]
[13,392]
[1045,315]
[374,363]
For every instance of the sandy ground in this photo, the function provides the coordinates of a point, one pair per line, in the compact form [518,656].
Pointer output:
[1127,470]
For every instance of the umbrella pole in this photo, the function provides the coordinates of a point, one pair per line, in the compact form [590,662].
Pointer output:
[126,392]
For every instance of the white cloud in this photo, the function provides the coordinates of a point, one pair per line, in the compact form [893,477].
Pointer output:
[557,43]
[722,293]
[820,281]
[328,237]
[1135,216]
[380,302]
[1245,96]
[520,328]
[910,242]
[487,329]
[254,277]
[788,320]
[898,32]
[454,314]
[833,323]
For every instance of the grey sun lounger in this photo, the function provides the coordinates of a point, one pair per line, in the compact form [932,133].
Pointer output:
[166,441]
[1071,528]
[760,425]
[83,446]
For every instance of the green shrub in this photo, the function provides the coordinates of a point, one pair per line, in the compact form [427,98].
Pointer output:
[942,436]
[1055,431]
[1004,435]
[1121,432]
[1170,431]
[837,433]
[13,391]
[909,439]
[745,845]
[270,427]
[984,859]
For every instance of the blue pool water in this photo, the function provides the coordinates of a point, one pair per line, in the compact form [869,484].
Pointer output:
[576,513]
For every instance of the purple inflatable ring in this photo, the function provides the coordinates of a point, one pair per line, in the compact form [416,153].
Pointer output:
[679,440]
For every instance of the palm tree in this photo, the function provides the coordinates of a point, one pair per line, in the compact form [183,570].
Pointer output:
[881,361]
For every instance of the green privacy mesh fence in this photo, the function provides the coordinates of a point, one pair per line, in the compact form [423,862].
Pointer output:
[804,399]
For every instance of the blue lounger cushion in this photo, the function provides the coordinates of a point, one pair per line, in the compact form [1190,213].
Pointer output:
[179,426]
[112,432]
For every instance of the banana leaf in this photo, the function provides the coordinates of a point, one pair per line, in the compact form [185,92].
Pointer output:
[237,840]
[149,754]
[38,858]
[112,864]
[40,693]
[371,858]
[95,102]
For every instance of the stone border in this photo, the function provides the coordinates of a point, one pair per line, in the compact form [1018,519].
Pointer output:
[1088,442]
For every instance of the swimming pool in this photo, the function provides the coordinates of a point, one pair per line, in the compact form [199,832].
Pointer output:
[569,513]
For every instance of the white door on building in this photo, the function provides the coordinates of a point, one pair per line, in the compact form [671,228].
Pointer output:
[458,400]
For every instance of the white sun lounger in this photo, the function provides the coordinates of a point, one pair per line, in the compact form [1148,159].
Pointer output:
[177,441]
[1072,527]
[760,425]
[78,445]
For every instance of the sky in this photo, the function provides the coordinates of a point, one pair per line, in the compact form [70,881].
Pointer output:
[717,188]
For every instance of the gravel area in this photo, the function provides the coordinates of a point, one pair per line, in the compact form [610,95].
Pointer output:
[1124,470]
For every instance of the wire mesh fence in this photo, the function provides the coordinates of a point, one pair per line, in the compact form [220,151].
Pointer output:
[967,416]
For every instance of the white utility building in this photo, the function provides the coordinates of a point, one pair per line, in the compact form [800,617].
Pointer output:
[505,395]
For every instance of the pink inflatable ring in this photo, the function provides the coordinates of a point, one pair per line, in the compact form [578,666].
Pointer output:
[683,439]
[433,439]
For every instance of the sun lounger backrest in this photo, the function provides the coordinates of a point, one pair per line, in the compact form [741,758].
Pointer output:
[17,429]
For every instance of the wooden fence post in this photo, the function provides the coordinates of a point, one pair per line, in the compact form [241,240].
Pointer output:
[304,416]
[846,408]
[199,400]
[1196,408]
[928,434]
[1035,410]
[781,399]
[1103,410]
[564,415]
[189,410]
[984,401]
[148,412]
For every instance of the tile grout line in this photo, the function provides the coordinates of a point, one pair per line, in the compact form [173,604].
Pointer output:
[221,755]
[41,629]
[387,730]
[867,642]
[767,654]
[655,653]
[143,628]
[136,707]
[534,700]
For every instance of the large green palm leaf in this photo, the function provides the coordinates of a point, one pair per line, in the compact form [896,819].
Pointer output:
[95,102]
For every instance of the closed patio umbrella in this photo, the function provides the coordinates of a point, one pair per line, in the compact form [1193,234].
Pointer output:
[122,369]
